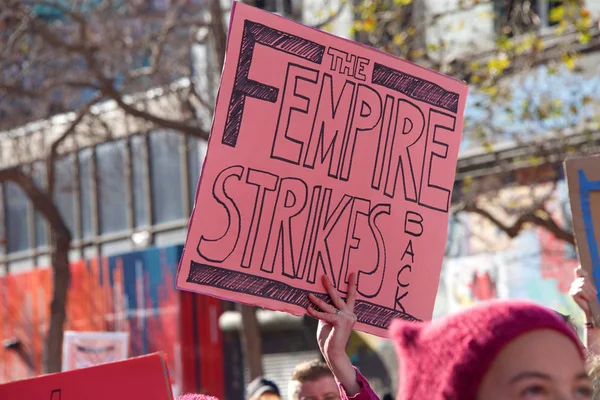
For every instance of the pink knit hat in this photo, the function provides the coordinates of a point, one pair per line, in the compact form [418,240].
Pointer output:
[448,358]
[193,396]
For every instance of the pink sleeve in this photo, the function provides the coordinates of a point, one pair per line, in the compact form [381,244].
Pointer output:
[366,392]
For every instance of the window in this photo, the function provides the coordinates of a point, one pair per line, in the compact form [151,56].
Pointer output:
[165,161]
[513,19]
[139,182]
[17,213]
[196,153]
[283,7]
[85,192]
[544,8]
[112,199]
[41,226]
[64,190]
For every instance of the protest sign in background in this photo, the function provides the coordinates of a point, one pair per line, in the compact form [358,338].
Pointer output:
[325,157]
[86,349]
[137,378]
[583,179]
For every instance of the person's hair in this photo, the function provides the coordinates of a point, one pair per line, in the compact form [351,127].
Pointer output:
[309,371]
[568,320]
[593,368]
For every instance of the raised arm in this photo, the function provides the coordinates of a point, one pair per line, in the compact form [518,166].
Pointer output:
[335,327]
[585,294]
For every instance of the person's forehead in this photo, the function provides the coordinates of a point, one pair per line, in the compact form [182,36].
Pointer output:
[544,351]
[318,387]
[269,396]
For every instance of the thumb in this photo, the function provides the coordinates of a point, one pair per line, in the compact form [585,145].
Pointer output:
[580,272]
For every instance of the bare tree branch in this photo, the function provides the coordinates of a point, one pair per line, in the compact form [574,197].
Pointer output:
[538,216]
[185,128]
[219,32]
[51,159]
[20,90]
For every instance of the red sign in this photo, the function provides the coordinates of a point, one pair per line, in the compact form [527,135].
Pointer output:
[137,378]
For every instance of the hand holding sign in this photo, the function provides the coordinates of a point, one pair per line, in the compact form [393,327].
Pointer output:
[335,328]
[583,291]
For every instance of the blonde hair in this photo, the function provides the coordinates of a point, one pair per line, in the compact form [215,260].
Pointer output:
[593,369]
[308,371]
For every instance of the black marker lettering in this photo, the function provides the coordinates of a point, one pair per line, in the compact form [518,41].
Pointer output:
[401,283]
[374,278]
[409,251]
[285,147]
[433,195]
[244,87]
[264,182]
[359,207]
[361,65]
[389,113]
[413,224]
[309,232]
[291,200]
[365,117]
[331,116]
[320,255]
[219,249]
[400,295]
[410,121]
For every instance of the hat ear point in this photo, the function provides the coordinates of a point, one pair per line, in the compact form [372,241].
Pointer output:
[405,334]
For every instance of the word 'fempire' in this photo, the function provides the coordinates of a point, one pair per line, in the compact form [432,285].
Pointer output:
[358,109]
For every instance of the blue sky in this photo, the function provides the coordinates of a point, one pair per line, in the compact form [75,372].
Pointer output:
[575,95]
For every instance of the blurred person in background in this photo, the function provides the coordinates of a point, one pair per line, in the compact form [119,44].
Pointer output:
[585,295]
[263,389]
[313,380]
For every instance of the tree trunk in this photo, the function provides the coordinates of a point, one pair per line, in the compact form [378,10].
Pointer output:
[61,242]
[250,334]
[251,341]
[58,306]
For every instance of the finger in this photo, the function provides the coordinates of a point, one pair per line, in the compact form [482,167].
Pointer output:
[589,293]
[323,305]
[335,297]
[585,296]
[580,272]
[329,318]
[588,285]
[585,307]
[351,299]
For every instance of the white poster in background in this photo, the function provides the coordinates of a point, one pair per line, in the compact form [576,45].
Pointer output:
[86,349]
[469,280]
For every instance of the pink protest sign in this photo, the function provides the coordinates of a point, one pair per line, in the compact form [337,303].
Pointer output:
[325,157]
